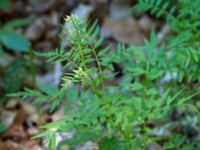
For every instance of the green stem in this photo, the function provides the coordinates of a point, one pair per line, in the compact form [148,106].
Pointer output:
[33,70]
[99,66]
[80,48]
[94,87]
[40,115]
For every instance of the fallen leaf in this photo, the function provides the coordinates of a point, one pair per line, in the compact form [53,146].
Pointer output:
[123,30]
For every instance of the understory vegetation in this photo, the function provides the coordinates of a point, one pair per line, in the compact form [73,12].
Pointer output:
[158,77]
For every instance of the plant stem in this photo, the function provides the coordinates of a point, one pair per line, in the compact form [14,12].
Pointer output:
[94,87]
[99,66]
[33,70]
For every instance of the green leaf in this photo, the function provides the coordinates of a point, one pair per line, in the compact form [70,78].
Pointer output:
[14,41]
[166,4]
[4,4]
[49,90]
[136,71]
[153,38]
[154,10]
[81,137]
[180,76]
[51,141]
[15,23]
[2,127]
[55,125]
[158,2]
[136,86]
[195,109]
[93,27]
[183,100]
[1,50]
[159,13]
[104,51]
[170,101]
[172,10]
[164,97]
[95,33]
[154,74]
[99,42]
[42,134]
[113,144]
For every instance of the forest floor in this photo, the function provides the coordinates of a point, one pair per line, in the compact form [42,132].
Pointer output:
[21,118]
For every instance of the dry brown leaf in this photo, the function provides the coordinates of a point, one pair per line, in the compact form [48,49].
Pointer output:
[10,146]
[123,30]
[16,130]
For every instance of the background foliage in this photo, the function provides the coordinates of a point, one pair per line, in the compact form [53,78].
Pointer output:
[119,116]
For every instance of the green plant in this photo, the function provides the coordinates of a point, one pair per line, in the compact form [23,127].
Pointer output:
[117,116]
[4,4]
[13,40]
[2,127]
